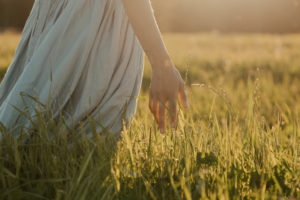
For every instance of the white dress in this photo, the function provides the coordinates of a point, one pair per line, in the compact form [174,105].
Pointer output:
[82,58]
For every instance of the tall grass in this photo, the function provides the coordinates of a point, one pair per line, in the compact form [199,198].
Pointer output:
[238,140]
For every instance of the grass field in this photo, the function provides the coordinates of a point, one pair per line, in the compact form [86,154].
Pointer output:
[238,140]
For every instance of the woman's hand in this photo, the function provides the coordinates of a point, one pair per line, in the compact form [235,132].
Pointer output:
[166,84]
[166,87]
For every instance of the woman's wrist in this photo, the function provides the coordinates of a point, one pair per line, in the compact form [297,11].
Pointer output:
[158,60]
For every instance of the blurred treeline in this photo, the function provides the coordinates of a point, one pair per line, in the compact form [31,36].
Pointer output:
[272,16]
[13,13]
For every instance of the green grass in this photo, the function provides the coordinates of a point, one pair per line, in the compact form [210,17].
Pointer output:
[238,140]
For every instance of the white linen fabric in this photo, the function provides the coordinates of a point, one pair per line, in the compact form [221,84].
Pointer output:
[79,56]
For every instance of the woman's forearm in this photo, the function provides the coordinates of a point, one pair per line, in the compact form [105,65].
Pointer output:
[167,84]
[142,19]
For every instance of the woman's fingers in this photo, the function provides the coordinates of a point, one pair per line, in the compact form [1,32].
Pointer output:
[173,111]
[151,103]
[159,108]
[182,96]
[162,117]
[155,110]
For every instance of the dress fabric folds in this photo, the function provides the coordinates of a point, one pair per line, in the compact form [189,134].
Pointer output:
[82,58]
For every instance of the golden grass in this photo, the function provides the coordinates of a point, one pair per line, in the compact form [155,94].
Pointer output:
[238,140]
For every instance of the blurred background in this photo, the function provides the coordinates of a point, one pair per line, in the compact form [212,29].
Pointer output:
[259,16]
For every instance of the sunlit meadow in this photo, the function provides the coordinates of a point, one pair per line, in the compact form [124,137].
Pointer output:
[239,139]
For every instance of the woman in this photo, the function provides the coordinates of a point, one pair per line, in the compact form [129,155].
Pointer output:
[85,58]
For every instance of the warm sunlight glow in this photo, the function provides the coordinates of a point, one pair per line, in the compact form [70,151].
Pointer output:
[229,15]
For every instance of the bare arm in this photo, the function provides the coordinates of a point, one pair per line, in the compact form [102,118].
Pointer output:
[166,83]
[142,19]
